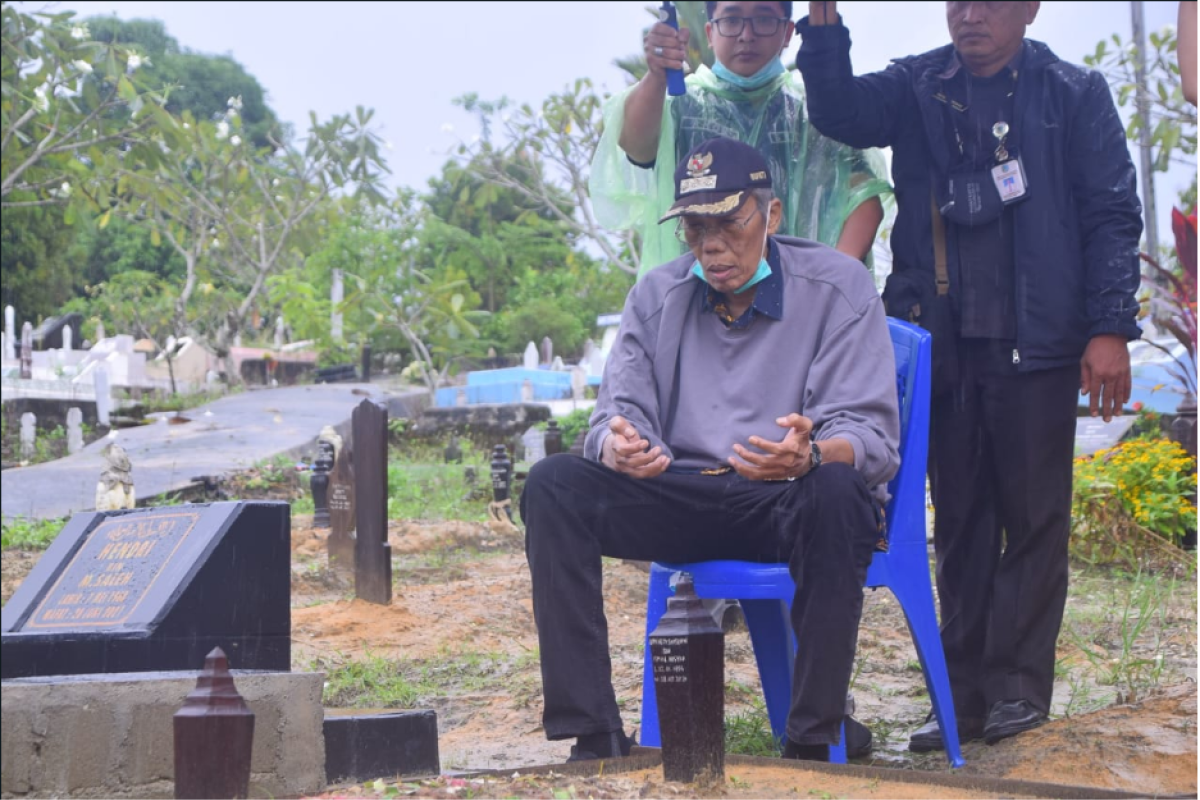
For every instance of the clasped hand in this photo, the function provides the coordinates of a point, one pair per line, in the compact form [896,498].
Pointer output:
[790,458]
[628,453]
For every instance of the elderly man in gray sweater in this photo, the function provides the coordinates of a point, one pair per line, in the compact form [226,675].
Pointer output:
[748,410]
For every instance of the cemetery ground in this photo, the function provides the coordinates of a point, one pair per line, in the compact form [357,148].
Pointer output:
[459,638]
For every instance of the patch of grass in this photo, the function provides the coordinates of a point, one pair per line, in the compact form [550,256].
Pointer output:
[375,681]
[29,534]
[1118,635]
[371,682]
[748,733]
[432,492]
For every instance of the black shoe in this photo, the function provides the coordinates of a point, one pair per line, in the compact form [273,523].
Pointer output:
[858,739]
[928,737]
[602,745]
[805,752]
[1010,717]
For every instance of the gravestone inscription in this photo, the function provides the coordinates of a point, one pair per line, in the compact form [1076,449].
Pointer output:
[372,553]
[155,589]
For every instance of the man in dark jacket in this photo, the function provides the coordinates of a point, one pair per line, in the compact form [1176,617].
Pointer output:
[1016,243]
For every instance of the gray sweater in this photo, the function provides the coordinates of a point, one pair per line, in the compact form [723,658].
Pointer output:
[694,387]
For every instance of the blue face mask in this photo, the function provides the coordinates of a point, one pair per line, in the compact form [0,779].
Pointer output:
[770,71]
[764,269]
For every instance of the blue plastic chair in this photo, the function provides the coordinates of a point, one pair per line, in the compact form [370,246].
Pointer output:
[765,591]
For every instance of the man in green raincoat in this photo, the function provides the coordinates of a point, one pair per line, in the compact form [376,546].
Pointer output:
[831,193]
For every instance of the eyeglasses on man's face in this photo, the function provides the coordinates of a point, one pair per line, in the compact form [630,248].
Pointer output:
[693,232]
[762,26]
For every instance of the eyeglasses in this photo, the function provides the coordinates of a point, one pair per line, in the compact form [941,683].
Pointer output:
[762,26]
[692,233]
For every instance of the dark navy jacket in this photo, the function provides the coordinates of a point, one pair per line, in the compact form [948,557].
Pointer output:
[1076,237]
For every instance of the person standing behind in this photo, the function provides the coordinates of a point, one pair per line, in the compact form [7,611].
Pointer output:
[1017,202]
[830,193]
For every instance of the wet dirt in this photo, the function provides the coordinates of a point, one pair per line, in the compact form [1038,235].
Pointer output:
[461,597]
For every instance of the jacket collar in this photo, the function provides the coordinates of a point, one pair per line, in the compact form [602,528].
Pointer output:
[929,69]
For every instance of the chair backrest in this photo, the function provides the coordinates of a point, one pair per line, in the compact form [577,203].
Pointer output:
[906,509]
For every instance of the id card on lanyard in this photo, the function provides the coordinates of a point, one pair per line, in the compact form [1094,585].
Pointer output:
[1008,174]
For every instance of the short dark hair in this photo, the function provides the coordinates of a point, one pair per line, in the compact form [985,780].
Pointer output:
[711,8]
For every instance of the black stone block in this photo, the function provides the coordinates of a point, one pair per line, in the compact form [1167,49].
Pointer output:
[367,746]
[156,589]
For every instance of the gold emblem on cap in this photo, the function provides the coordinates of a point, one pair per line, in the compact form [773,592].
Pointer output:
[698,164]
[758,176]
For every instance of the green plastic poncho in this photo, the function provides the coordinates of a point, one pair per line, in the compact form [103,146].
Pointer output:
[819,180]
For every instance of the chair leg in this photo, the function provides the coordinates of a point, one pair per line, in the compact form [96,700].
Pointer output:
[922,623]
[656,606]
[775,651]
[837,752]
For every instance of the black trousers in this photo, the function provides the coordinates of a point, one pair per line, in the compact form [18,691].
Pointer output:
[575,511]
[1000,465]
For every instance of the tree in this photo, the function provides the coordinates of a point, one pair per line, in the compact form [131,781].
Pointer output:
[235,214]
[36,261]
[398,279]
[1172,122]
[545,156]
[200,83]
[57,126]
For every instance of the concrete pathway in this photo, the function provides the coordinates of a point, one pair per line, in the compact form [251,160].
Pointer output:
[237,432]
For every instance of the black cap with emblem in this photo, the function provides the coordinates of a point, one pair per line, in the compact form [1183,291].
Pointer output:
[716,177]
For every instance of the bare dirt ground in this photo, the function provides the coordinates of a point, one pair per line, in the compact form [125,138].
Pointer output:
[460,626]
[449,605]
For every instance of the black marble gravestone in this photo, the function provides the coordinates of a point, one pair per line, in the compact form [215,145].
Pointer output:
[688,653]
[155,589]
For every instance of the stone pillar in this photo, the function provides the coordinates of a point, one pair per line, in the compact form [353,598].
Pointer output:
[10,333]
[366,363]
[553,438]
[74,430]
[27,351]
[531,356]
[67,339]
[1183,431]
[319,483]
[103,395]
[336,295]
[28,435]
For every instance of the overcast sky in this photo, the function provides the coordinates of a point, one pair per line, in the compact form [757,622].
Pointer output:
[408,61]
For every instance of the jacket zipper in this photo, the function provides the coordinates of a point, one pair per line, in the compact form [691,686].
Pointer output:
[1016,356]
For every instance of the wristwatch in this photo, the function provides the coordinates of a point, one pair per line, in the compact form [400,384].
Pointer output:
[816,456]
